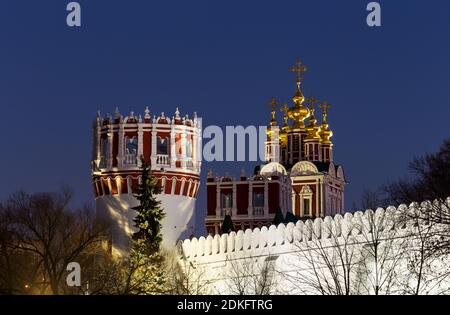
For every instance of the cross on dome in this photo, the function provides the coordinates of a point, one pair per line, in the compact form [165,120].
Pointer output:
[299,68]
[325,106]
[272,104]
[312,102]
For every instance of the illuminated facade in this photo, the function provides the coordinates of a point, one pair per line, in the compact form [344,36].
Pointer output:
[171,145]
[299,176]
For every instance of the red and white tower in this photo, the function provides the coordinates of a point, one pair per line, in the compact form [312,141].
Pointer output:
[171,145]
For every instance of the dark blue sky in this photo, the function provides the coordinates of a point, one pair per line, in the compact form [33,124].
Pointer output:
[389,86]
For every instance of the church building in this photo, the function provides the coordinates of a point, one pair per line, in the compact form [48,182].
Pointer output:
[298,180]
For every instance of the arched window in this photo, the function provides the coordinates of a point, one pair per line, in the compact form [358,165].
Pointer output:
[258,203]
[162,145]
[131,145]
[188,146]
[227,200]
[104,152]
[306,195]
[131,148]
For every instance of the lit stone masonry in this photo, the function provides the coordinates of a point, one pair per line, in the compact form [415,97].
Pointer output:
[214,262]
[171,145]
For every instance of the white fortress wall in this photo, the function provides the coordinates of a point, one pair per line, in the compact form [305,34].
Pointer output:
[295,250]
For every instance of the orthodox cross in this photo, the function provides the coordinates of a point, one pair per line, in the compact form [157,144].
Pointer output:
[284,110]
[325,106]
[312,102]
[272,104]
[299,68]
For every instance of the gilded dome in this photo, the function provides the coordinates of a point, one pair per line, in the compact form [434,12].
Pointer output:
[313,128]
[298,113]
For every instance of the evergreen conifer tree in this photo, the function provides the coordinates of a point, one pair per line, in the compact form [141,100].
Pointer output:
[227,225]
[146,263]
[290,218]
[149,211]
[279,218]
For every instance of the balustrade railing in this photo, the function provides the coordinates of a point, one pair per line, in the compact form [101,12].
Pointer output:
[130,159]
[258,211]
[225,211]
[162,159]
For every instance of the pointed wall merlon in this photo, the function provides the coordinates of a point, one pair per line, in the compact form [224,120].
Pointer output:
[319,229]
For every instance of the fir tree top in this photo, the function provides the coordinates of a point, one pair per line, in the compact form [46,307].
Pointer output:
[279,218]
[227,225]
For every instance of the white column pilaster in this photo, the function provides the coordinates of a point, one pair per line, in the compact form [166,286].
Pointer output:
[290,154]
[121,154]
[250,199]
[110,146]
[99,144]
[217,200]
[234,209]
[173,153]
[317,200]
[154,150]
[293,202]
[140,152]
[322,200]
[183,149]
[266,197]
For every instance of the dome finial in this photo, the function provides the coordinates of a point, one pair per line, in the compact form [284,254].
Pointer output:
[325,132]
[298,113]
[312,119]
[117,112]
[284,109]
[273,104]
[325,106]
[299,68]
[273,123]
[312,102]
[313,129]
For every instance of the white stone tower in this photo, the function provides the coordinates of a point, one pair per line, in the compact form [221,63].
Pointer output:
[172,146]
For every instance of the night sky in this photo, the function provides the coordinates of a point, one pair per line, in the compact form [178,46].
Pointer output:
[388,86]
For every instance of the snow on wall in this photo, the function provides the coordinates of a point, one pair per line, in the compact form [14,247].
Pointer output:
[216,257]
[280,235]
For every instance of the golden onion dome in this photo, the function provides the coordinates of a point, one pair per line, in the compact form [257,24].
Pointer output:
[313,131]
[312,128]
[325,134]
[298,113]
